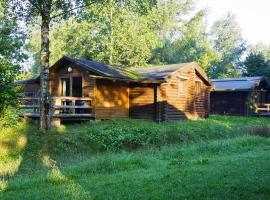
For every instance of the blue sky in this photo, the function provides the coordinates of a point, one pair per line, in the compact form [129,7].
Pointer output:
[252,16]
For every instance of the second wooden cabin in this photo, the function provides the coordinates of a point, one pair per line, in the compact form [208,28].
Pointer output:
[240,96]
[89,89]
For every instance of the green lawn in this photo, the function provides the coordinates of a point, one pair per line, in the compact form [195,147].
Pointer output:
[215,158]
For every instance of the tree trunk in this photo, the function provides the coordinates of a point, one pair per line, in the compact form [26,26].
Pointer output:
[44,75]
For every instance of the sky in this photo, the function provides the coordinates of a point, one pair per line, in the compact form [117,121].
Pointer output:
[253,16]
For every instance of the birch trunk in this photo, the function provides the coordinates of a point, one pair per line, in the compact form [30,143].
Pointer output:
[44,75]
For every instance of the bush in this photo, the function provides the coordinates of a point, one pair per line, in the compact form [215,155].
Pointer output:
[9,119]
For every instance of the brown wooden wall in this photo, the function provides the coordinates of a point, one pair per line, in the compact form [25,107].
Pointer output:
[62,72]
[119,99]
[169,105]
[141,101]
[189,105]
[111,99]
[229,103]
[32,88]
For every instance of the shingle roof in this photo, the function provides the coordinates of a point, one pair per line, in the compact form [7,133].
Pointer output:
[28,81]
[145,74]
[102,68]
[237,84]
[159,72]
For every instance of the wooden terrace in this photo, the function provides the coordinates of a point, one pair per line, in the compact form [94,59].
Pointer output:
[64,108]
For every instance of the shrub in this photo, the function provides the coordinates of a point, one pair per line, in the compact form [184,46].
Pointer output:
[10,118]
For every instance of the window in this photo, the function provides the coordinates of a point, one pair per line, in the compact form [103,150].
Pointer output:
[65,82]
[182,84]
[71,87]
[77,86]
[198,87]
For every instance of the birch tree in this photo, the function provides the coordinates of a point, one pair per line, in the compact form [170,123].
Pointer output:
[44,12]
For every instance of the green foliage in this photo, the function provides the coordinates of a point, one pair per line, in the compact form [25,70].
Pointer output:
[229,44]
[256,64]
[190,43]
[207,167]
[8,89]
[12,38]
[110,32]
[9,118]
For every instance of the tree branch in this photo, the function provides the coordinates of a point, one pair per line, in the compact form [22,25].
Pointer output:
[70,10]
[32,2]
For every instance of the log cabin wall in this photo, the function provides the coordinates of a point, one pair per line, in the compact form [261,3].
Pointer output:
[62,72]
[141,101]
[179,105]
[30,89]
[202,97]
[190,103]
[111,99]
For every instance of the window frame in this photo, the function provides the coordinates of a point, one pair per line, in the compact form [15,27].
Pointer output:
[70,84]
[182,86]
[198,89]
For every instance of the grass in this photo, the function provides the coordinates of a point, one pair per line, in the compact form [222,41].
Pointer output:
[215,158]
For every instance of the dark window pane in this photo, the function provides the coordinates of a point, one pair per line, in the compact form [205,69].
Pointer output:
[77,86]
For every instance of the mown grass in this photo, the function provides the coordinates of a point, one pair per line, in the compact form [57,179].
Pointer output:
[215,158]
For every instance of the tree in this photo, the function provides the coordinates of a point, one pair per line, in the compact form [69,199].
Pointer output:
[228,42]
[261,48]
[8,90]
[106,32]
[47,11]
[191,45]
[11,44]
[255,64]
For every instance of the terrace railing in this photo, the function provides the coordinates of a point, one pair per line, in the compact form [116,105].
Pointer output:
[263,108]
[61,107]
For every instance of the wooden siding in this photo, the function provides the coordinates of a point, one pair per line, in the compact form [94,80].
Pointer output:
[229,103]
[141,100]
[57,74]
[30,88]
[188,105]
[111,99]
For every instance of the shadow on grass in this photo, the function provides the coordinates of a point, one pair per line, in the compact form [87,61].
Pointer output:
[26,163]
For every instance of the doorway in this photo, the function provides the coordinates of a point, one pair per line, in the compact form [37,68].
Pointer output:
[71,86]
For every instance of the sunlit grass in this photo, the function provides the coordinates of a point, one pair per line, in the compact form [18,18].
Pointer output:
[134,159]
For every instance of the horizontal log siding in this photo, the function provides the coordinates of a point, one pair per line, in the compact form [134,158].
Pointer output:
[141,98]
[177,107]
[202,99]
[112,100]
[189,105]
[56,75]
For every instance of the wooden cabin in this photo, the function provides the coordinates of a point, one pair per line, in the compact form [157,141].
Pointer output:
[240,96]
[84,89]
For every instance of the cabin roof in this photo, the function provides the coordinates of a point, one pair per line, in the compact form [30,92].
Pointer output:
[100,68]
[238,84]
[159,72]
[151,74]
